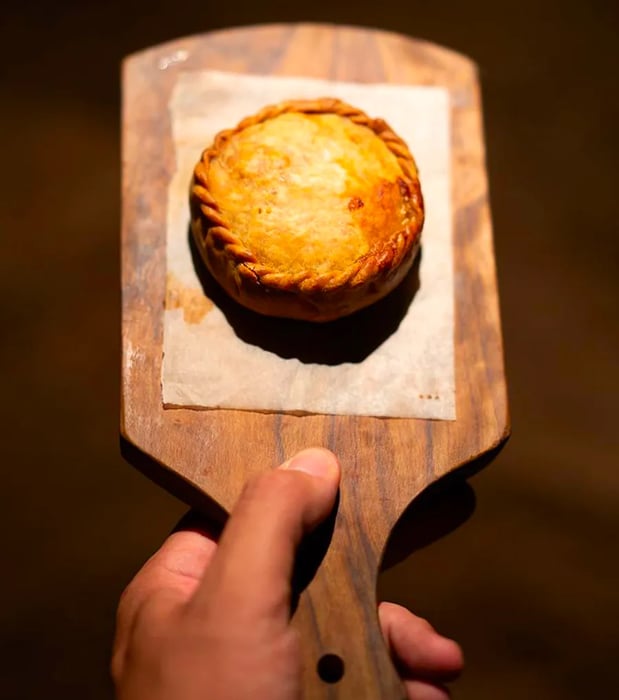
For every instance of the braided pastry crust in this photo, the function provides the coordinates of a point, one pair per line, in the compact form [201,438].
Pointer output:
[308,209]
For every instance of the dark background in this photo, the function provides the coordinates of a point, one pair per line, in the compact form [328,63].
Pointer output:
[529,584]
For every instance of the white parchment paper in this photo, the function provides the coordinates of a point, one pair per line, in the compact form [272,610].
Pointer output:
[209,364]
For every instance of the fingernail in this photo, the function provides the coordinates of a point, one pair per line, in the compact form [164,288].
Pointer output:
[315,461]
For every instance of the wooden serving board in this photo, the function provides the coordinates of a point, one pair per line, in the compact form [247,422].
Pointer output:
[386,462]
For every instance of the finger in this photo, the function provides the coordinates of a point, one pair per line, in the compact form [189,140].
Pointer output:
[419,651]
[423,690]
[178,564]
[171,576]
[249,579]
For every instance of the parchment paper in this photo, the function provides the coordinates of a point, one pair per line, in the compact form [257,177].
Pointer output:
[211,362]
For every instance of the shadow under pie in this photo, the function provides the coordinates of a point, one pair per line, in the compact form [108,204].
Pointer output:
[349,339]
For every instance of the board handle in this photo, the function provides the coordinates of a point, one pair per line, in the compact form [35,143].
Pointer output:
[344,653]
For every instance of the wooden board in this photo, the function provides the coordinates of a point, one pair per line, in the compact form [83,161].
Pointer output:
[386,462]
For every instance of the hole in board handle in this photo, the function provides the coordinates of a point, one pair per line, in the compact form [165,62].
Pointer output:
[330,668]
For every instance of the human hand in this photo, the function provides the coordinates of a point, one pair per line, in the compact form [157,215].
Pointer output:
[207,620]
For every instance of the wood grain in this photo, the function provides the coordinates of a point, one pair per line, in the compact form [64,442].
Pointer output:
[386,462]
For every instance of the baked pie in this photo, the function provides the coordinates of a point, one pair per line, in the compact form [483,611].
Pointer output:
[309,209]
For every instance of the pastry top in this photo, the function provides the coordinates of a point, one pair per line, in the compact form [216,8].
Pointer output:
[306,197]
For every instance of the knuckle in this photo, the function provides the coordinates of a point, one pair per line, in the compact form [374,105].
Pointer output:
[127,601]
[116,666]
[126,594]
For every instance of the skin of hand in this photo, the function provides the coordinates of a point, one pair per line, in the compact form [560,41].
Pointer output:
[206,619]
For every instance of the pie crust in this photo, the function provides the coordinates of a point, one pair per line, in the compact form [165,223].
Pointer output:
[308,209]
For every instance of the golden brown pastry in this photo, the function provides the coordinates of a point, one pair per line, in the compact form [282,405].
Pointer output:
[308,210]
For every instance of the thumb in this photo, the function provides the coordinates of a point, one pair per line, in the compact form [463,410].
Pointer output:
[249,579]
